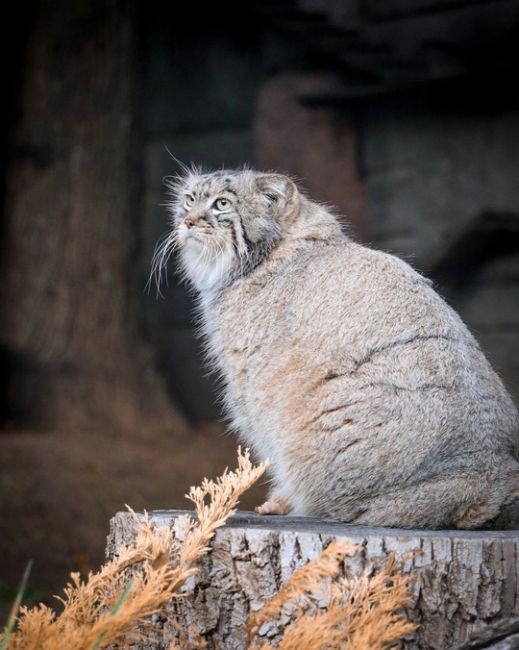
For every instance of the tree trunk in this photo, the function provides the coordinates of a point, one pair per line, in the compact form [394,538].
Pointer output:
[461,581]
[68,326]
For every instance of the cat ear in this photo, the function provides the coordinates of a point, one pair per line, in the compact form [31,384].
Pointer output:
[278,188]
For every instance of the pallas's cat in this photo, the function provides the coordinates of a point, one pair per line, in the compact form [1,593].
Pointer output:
[341,364]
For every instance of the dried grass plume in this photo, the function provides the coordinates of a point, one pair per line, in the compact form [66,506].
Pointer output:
[141,580]
[362,612]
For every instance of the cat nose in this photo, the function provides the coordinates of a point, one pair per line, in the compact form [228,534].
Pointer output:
[189,221]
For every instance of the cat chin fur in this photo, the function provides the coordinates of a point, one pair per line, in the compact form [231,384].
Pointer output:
[207,273]
[368,394]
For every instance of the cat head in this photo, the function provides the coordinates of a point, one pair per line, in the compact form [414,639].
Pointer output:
[225,223]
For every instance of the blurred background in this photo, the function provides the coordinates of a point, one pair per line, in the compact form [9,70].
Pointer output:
[404,114]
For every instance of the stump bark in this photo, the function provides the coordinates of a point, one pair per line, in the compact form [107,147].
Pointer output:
[461,581]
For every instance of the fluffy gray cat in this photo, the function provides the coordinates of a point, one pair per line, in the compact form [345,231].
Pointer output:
[341,364]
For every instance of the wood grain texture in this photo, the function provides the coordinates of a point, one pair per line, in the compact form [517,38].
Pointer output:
[501,635]
[461,581]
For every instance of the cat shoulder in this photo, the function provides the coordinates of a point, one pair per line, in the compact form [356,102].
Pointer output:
[384,264]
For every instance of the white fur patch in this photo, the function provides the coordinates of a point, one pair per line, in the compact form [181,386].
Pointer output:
[207,260]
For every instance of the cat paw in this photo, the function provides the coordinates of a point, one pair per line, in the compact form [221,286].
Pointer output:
[274,506]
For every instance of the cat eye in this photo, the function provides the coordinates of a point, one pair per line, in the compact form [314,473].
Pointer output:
[222,204]
[190,200]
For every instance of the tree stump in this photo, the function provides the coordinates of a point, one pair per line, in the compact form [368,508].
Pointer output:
[461,581]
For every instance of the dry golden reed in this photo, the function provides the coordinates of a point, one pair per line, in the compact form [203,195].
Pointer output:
[362,612]
[114,605]
[111,603]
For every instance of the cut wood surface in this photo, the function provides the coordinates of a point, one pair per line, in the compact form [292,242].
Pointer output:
[461,581]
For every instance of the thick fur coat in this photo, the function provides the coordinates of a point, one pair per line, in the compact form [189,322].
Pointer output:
[341,364]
